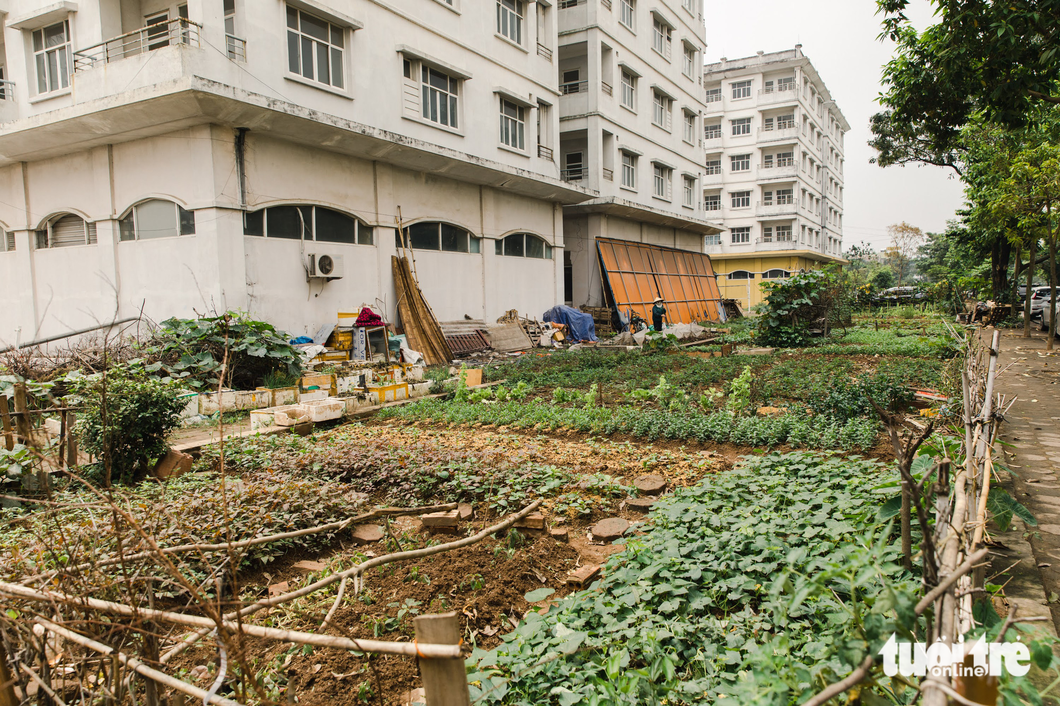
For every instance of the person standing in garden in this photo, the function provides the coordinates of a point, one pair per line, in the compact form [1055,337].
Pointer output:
[658,313]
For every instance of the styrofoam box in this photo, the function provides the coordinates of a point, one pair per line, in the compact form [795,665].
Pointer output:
[324,410]
[290,415]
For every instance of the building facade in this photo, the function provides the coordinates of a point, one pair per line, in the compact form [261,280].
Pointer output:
[773,137]
[631,107]
[203,155]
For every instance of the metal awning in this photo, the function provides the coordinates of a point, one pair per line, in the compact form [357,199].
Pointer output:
[637,273]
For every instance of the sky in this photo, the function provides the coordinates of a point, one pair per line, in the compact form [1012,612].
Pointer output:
[840,39]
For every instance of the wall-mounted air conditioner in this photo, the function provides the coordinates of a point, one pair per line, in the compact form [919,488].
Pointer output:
[325,266]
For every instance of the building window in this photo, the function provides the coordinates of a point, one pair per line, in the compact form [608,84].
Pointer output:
[690,191]
[776,274]
[767,124]
[628,13]
[741,89]
[741,126]
[662,38]
[767,234]
[66,231]
[712,202]
[785,197]
[662,181]
[235,47]
[51,53]
[689,5]
[575,170]
[439,92]
[315,48]
[513,125]
[740,163]
[629,90]
[629,170]
[713,166]
[712,132]
[741,274]
[662,110]
[767,198]
[767,161]
[156,219]
[785,122]
[713,95]
[510,15]
[524,245]
[786,84]
[714,239]
[432,235]
[307,223]
[690,128]
[690,61]
[741,199]
[785,159]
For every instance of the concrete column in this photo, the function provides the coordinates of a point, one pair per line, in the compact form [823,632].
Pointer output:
[23,286]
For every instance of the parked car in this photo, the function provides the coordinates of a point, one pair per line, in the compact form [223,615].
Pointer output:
[1039,300]
[900,295]
[1043,323]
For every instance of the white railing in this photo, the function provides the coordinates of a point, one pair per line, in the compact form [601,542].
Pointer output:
[576,174]
[237,48]
[566,4]
[140,41]
[574,87]
[607,88]
[7,90]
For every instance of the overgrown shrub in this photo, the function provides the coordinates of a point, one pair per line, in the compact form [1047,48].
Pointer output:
[793,306]
[126,415]
[192,351]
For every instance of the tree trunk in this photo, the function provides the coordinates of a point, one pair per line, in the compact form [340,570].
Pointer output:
[1000,253]
[1027,298]
[1017,268]
[1052,276]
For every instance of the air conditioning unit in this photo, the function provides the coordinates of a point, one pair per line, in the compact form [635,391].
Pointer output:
[324,266]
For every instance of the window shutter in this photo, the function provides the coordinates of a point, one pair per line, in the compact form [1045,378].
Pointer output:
[410,92]
[9,241]
[67,231]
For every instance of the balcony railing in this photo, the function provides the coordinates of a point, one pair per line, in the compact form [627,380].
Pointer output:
[7,90]
[237,48]
[609,174]
[574,174]
[607,88]
[567,4]
[544,152]
[606,4]
[140,41]
[544,51]
[574,87]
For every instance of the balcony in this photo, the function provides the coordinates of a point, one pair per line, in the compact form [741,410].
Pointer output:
[609,174]
[778,97]
[545,153]
[574,174]
[714,105]
[774,245]
[712,144]
[8,107]
[544,51]
[775,210]
[156,36]
[788,134]
[713,179]
[788,171]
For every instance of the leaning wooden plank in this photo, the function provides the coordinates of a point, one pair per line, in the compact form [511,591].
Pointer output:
[406,310]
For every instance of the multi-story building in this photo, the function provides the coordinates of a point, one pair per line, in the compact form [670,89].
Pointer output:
[203,154]
[631,108]
[773,137]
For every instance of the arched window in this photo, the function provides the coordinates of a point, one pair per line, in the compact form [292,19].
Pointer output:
[776,274]
[156,219]
[66,230]
[433,235]
[741,274]
[524,245]
[317,223]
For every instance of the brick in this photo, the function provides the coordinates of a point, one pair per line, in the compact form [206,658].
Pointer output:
[441,519]
[583,576]
[465,512]
[559,534]
[173,465]
[310,566]
[535,520]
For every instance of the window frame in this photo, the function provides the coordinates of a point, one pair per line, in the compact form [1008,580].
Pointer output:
[739,88]
[474,242]
[129,222]
[45,235]
[689,64]
[689,192]
[713,95]
[739,163]
[662,38]
[690,127]
[740,235]
[709,132]
[712,239]
[629,169]
[451,93]
[336,43]
[713,167]
[711,199]
[628,8]
[629,87]
[509,17]
[360,237]
[740,127]
[501,246]
[43,57]
[662,110]
[662,176]
[513,126]
[737,199]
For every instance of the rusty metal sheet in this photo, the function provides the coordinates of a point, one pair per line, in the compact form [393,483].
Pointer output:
[462,343]
[637,273]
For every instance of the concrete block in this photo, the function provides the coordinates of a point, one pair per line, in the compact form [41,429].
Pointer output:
[284,395]
[534,521]
[610,529]
[583,576]
[173,465]
[441,519]
[311,566]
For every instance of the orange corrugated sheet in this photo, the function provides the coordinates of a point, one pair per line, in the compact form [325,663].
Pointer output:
[637,273]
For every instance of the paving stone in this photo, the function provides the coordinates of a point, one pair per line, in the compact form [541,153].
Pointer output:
[278,589]
[640,505]
[650,484]
[366,534]
[465,512]
[534,521]
[583,576]
[311,566]
[610,529]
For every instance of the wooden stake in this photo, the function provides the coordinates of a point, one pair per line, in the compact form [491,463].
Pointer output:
[444,680]
[7,682]
[5,418]
[22,424]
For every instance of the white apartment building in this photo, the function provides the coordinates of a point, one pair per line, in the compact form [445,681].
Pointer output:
[183,155]
[773,137]
[631,106]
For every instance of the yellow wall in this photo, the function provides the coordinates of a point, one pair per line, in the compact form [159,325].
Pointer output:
[748,291]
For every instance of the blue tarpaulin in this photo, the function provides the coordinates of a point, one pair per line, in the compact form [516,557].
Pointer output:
[579,325]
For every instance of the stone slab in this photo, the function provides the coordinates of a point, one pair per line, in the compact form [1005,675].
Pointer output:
[366,534]
[610,529]
[650,484]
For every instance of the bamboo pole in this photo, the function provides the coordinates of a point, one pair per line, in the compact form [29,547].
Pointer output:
[7,682]
[137,666]
[5,419]
[302,638]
